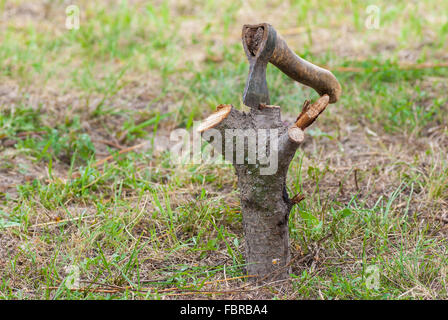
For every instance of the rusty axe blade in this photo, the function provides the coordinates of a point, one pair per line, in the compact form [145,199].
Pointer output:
[262,44]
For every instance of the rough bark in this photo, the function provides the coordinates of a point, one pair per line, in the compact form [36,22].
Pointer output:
[265,204]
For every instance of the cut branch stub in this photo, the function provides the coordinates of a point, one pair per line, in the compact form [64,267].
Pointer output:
[311,112]
[215,118]
[296,134]
[297,198]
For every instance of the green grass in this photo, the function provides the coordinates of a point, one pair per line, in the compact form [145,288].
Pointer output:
[373,168]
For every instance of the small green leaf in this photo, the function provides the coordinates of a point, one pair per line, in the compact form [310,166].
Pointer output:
[309,218]
[345,213]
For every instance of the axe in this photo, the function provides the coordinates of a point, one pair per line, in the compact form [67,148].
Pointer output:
[262,44]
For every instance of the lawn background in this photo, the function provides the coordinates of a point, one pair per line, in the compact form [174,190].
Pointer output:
[373,168]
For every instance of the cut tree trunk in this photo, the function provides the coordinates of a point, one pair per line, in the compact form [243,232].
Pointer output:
[265,204]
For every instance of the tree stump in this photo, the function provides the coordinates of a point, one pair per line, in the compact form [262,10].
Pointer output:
[261,147]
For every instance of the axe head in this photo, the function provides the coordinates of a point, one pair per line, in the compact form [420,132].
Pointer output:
[259,44]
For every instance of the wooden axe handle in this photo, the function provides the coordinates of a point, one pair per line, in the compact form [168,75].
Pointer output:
[298,69]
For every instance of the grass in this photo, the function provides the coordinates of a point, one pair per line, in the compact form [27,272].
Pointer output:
[373,168]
